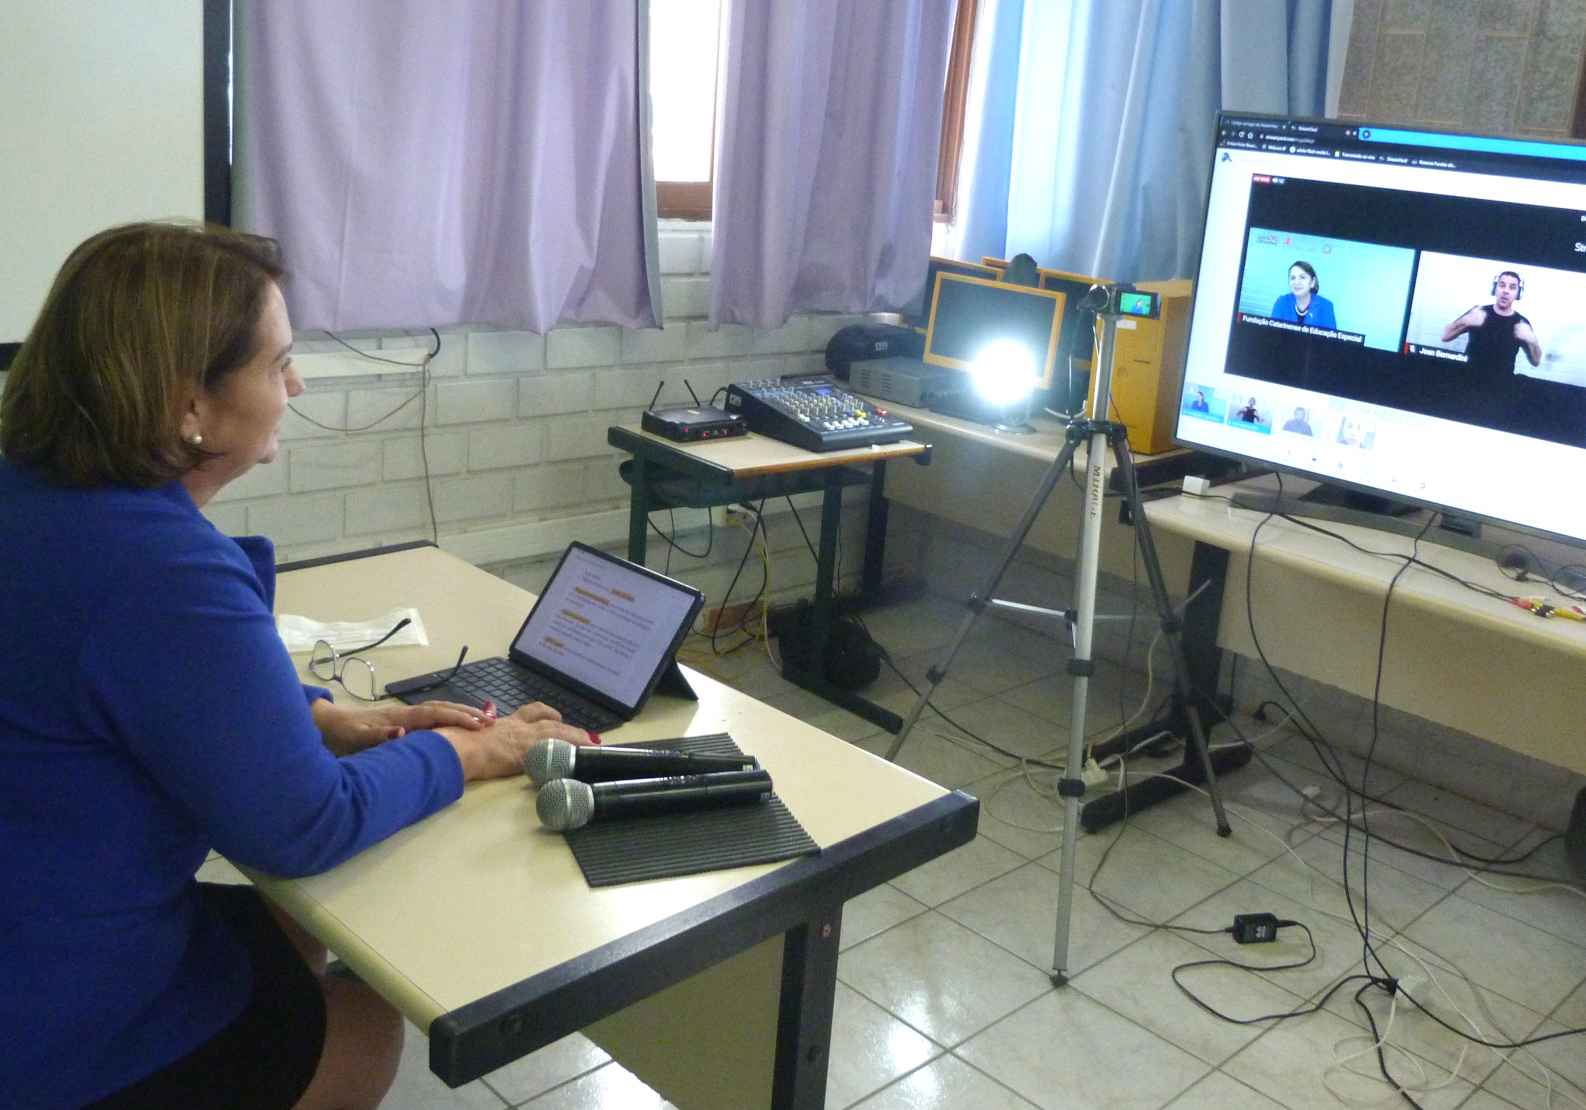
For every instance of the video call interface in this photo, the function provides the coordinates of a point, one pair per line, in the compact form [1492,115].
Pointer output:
[1402,312]
[1453,307]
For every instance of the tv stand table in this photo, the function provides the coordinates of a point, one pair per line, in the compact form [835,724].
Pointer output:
[1453,656]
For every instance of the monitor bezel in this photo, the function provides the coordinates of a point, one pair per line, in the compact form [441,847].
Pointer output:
[1049,363]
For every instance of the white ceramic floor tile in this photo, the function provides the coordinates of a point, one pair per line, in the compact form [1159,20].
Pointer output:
[1012,729]
[417,1088]
[1147,877]
[945,762]
[960,870]
[940,977]
[1446,875]
[946,1083]
[843,724]
[1065,1051]
[1295,1060]
[1483,1100]
[1559,1065]
[1312,876]
[899,692]
[870,1048]
[875,911]
[1572,1012]
[761,680]
[1218,1092]
[1557,910]
[991,670]
[1019,912]
[913,628]
[1138,983]
[612,1087]
[799,703]
[1510,957]
[1189,822]
[546,1069]
[1018,815]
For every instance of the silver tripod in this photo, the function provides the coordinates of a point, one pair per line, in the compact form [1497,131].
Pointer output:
[1100,434]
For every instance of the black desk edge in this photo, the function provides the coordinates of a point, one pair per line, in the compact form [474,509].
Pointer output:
[478,1038]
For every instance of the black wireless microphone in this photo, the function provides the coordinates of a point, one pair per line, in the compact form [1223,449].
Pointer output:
[557,759]
[566,804]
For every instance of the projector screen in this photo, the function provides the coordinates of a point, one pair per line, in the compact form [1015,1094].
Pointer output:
[102,119]
[1399,312]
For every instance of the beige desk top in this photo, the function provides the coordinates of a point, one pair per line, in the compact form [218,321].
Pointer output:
[1043,444]
[1323,557]
[1471,662]
[749,455]
[479,897]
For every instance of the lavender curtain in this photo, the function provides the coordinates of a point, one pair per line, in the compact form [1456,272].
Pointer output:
[428,162]
[831,114]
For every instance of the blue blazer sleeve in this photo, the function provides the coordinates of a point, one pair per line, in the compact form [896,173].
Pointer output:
[189,673]
[1321,313]
[1283,309]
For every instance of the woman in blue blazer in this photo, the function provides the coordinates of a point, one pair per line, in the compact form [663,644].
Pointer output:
[1303,304]
[149,712]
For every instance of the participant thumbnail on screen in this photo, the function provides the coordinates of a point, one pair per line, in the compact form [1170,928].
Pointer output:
[1332,288]
[1353,431]
[1499,318]
[1205,403]
[1251,413]
[1301,421]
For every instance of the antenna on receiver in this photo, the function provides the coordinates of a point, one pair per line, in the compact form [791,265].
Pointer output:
[691,393]
[658,389]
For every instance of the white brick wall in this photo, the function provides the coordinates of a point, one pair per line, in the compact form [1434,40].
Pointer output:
[514,427]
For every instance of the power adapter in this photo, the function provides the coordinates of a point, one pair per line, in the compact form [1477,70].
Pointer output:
[1257,928]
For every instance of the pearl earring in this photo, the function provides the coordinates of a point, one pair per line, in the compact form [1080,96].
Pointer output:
[197,441]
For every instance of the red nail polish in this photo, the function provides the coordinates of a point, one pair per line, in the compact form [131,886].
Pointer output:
[594,738]
[393,733]
[490,709]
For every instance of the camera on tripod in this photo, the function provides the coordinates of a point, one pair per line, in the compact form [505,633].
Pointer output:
[1123,300]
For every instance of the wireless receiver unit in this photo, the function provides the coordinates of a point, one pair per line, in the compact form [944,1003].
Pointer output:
[691,425]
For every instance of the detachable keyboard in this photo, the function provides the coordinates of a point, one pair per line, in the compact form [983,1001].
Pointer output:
[510,686]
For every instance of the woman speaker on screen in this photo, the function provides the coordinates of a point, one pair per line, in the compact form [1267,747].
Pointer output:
[1303,304]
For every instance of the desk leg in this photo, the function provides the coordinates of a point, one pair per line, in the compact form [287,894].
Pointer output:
[824,613]
[875,534]
[638,512]
[804,1027]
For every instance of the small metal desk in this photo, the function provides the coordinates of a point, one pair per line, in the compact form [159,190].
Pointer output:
[668,475]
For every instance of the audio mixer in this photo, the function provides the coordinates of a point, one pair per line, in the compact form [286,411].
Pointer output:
[814,413]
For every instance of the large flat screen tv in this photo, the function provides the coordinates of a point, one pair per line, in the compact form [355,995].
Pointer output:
[1399,312]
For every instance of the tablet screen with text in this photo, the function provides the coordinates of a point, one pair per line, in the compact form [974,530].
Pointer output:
[606,624]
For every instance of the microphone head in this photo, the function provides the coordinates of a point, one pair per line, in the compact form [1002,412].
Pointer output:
[549,759]
[565,804]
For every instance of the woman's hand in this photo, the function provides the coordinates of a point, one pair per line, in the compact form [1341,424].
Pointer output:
[497,749]
[348,730]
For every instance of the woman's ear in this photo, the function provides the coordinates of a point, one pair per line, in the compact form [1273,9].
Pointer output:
[192,422]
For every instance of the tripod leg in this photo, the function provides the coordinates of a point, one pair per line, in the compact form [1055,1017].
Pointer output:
[1170,628]
[1071,787]
[977,601]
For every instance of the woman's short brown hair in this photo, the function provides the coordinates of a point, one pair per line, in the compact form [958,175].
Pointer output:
[137,314]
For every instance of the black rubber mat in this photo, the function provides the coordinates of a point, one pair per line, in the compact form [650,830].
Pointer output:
[666,846]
